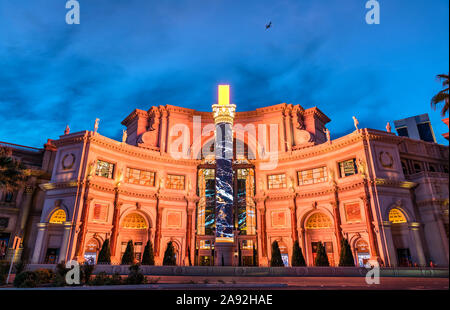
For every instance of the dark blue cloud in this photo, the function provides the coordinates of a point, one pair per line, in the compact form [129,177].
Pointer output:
[135,54]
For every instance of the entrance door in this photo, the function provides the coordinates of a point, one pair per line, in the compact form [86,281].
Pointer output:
[404,257]
[328,249]
[51,257]
[4,241]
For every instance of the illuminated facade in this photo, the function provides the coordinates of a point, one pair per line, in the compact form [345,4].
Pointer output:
[387,194]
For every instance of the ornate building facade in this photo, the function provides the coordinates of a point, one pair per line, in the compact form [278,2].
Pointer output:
[388,195]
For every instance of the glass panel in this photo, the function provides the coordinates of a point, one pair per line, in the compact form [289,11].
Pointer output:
[206,205]
[312,176]
[175,181]
[348,167]
[246,214]
[104,169]
[276,181]
[140,177]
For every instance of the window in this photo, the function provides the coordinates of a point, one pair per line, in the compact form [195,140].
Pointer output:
[318,221]
[104,169]
[58,217]
[134,221]
[140,177]
[432,168]
[312,176]
[175,181]
[247,244]
[9,197]
[396,216]
[347,168]
[402,132]
[100,212]
[405,168]
[425,132]
[205,244]
[275,181]
[417,167]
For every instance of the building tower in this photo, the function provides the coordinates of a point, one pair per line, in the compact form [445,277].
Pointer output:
[223,113]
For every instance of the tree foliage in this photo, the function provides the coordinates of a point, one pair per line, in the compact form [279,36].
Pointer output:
[128,256]
[169,255]
[297,256]
[346,258]
[104,257]
[443,95]
[321,257]
[13,172]
[276,260]
[148,257]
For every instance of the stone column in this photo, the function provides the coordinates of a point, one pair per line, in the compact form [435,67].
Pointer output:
[159,210]
[25,207]
[163,132]
[115,223]
[337,224]
[293,210]
[65,242]
[414,229]
[261,227]
[369,225]
[392,254]
[39,244]
[83,228]
[190,211]
[287,126]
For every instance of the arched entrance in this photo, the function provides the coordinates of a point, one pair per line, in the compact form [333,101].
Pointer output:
[134,227]
[362,252]
[91,250]
[55,235]
[401,237]
[319,228]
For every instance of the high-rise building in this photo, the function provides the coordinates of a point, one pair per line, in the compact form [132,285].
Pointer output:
[416,127]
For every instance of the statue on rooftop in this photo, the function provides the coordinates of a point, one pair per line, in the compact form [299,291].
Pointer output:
[355,122]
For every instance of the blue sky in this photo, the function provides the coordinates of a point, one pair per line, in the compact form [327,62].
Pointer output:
[129,54]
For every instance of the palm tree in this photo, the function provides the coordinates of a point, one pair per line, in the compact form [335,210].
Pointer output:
[442,95]
[13,173]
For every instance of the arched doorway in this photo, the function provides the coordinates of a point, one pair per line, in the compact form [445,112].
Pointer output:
[91,251]
[319,228]
[134,227]
[362,252]
[55,234]
[400,236]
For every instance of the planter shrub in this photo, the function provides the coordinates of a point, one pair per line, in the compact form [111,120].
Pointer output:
[128,256]
[322,257]
[169,255]
[276,260]
[297,256]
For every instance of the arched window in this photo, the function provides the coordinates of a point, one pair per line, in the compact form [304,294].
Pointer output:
[396,216]
[58,217]
[318,221]
[134,221]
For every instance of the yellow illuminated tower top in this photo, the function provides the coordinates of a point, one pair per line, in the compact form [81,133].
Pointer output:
[224,94]
[223,112]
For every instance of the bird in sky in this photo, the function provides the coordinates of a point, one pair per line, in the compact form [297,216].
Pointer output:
[269,25]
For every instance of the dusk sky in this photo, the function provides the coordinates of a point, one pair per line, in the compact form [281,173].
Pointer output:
[129,54]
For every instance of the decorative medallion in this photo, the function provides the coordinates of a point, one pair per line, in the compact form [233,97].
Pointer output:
[386,159]
[68,161]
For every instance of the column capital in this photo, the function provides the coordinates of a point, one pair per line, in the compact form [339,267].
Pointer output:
[414,225]
[68,225]
[42,226]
